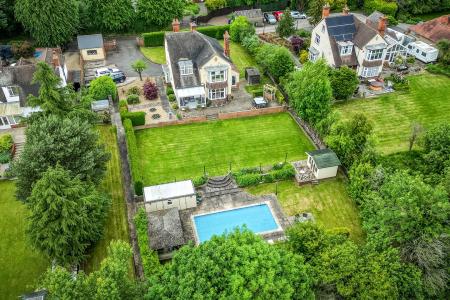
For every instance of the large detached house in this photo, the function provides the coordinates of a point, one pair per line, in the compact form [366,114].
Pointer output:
[199,68]
[344,40]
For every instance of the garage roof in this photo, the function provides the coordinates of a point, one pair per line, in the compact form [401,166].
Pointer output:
[90,41]
[168,191]
[324,158]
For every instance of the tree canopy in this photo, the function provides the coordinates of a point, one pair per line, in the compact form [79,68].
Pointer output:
[50,22]
[102,87]
[343,82]
[66,217]
[309,91]
[240,29]
[111,15]
[286,25]
[238,266]
[139,66]
[276,60]
[160,13]
[52,140]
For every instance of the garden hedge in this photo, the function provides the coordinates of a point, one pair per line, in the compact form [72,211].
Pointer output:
[150,261]
[253,176]
[133,155]
[155,39]
[137,117]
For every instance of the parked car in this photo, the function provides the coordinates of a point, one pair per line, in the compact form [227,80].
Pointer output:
[298,15]
[118,77]
[278,15]
[102,72]
[269,19]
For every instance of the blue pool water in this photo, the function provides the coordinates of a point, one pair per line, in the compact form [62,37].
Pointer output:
[257,218]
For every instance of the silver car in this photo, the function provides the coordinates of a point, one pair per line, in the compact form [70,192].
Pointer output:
[297,15]
[269,19]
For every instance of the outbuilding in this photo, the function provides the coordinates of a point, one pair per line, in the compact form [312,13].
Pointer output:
[179,194]
[324,163]
[252,76]
[91,47]
[165,230]
[423,52]
[254,16]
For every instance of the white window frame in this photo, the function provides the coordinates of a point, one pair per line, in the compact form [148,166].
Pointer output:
[92,52]
[186,69]
[217,76]
[317,39]
[370,72]
[11,91]
[375,54]
[346,50]
[312,57]
[217,94]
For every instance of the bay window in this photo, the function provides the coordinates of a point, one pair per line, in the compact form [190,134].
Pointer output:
[217,94]
[370,72]
[217,76]
[375,54]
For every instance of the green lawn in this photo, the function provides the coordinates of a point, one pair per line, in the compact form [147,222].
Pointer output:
[180,152]
[240,58]
[427,102]
[155,54]
[328,201]
[116,224]
[21,266]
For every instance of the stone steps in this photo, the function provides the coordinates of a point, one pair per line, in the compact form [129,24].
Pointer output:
[219,182]
[18,150]
[222,192]
[212,117]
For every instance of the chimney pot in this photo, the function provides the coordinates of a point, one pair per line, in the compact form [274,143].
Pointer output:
[326,11]
[175,25]
[193,26]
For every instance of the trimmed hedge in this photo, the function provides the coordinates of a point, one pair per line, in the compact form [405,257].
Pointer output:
[155,39]
[133,99]
[137,117]
[171,97]
[253,176]
[199,181]
[150,260]
[133,155]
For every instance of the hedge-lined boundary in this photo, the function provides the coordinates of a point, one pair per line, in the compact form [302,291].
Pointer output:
[155,39]
[133,153]
[150,260]
[253,176]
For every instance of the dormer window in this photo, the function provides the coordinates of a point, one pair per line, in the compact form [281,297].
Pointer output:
[345,48]
[13,91]
[186,67]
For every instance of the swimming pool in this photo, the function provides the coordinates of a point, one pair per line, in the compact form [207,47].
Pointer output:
[257,218]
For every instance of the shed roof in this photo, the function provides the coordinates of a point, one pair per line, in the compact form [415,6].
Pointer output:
[168,191]
[164,229]
[324,158]
[100,105]
[252,71]
[250,13]
[90,41]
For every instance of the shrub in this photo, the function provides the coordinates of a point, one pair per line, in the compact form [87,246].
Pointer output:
[133,99]
[241,28]
[169,90]
[6,142]
[175,106]
[286,172]
[303,33]
[199,181]
[304,56]
[439,69]
[102,87]
[248,179]
[171,97]
[280,97]
[150,261]
[134,91]
[22,49]
[138,187]
[392,21]
[150,90]
[276,60]
[251,44]
[5,157]
[133,156]
[137,118]
[153,39]
[410,59]
[123,106]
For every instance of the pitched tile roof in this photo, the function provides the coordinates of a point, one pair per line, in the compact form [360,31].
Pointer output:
[165,230]
[21,76]
[435,29]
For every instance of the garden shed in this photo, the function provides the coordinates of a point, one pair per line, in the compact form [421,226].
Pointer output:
[100,105]
[179,194]
[252,75]
[165,230]
[255,16]
[324,163]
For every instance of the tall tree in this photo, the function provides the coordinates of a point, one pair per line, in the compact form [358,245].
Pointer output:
[51,140]
[3,15]
[286,27]
[343,82]
[52,98]
[315,10]
[237,266]
[240,29]
[50,22]
[349,139]
[139,66]
[111,15]
[436,145]
[160,13]
[67,216]
[276,60]
[309,91]
[112,281]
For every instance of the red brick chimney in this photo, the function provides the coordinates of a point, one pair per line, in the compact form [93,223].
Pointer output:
[55,59]
[226,44]
[325,11]
[345,10]
[193,26]
[175,25]
[382,25]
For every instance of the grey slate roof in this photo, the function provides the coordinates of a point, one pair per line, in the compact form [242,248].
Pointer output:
[373,19]
[193,46]
[164,229]
[20,76]
[90,41]
[324,158]
[250,13]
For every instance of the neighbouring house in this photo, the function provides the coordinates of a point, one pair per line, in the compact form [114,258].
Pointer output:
[165,230]
[180,194]
[254,16]
[433,30]
[91,48]
[344,40]
[54,58]
[199,68]
[324,163]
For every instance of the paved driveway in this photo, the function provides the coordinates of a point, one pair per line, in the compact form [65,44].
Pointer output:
[126,54]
